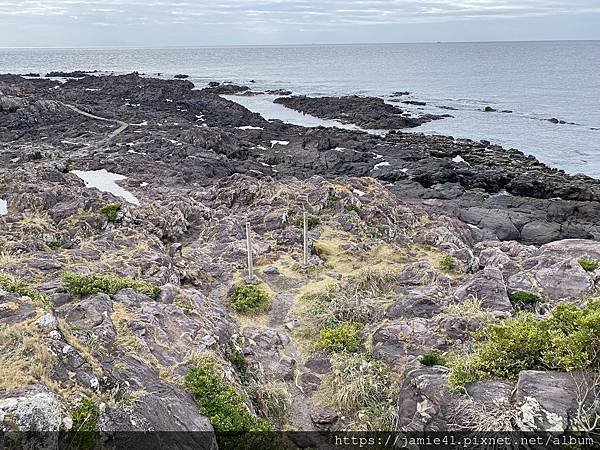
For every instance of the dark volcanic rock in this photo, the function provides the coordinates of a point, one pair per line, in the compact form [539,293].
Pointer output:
[74,74]
[226,88]
[366,112]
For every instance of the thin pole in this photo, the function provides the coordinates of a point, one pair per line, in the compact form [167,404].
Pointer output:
[249,247]
[305,238]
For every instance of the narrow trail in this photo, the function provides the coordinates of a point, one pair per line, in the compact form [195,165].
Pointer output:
[122,125]
[299,412]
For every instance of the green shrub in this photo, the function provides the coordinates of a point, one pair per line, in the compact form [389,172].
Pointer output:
[352,207]
[331,198]
[297,220]
[522,298]
[567,340]
[111,210]
[85,420]
[448,264]
[109,284]
[344,338]
[219,401]
[589,265]
[19,287]
[249,298]
[433,358]
[239,363]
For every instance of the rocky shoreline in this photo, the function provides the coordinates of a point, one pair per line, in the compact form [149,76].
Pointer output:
[417,242]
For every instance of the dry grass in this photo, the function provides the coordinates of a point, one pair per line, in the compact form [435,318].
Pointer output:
[36,222]
[470,307]
[361,389]
[125,337]
[468,415]
[24,358]
[272,401]
[359,298]
[78,344]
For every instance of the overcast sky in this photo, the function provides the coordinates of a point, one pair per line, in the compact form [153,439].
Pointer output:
[233,22]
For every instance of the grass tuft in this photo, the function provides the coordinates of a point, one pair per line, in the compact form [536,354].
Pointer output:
[85,420]
[111,211]
[589,265]
[361,389]
[344,338]
[250,299]
[522,298]
[16,286]
[92,284]
[433,358]
[448,264]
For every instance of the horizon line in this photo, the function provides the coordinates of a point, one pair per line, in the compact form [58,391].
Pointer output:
[93,47]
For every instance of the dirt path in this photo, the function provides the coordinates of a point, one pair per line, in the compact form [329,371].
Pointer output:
[122,125]
[286,291]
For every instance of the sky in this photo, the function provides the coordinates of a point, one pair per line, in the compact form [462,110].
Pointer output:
[156,23]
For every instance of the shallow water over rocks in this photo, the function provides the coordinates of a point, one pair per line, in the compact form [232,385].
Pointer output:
[106,182]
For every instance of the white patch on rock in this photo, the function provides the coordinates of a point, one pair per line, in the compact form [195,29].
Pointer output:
[359,192]
[106,182]
[459,159]
[274,143]
[47,321]
[249,127]
[32,408]
[381,164]
[502,193]
[530,412]
[3,207]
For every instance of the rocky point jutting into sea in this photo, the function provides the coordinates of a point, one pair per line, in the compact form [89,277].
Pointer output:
[117,310]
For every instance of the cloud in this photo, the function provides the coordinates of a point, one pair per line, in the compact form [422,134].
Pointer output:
[85,22]
[300,13]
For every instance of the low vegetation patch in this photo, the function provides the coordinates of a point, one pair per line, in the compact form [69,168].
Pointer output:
[250,298]
[240,364]
[297,219]
[111,211]
[16,286]
[344,338]
[361,389]
[271,401]
[522,298]
[109,284]
[85,420]
[219,401]
[448,264]
[589,265]
[433,358]
[567,340]
[352,207]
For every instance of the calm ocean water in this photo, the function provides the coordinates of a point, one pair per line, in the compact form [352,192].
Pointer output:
[535,80]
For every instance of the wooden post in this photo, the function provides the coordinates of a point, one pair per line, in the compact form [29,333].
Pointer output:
[249,247]
[305,217]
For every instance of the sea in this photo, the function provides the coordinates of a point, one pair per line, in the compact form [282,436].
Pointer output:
[536,81]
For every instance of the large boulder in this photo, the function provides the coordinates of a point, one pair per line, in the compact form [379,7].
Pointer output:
[401,341]
[33,408]
[421,302]
[487,286]
[565,280]
[423,400]
[547,400]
